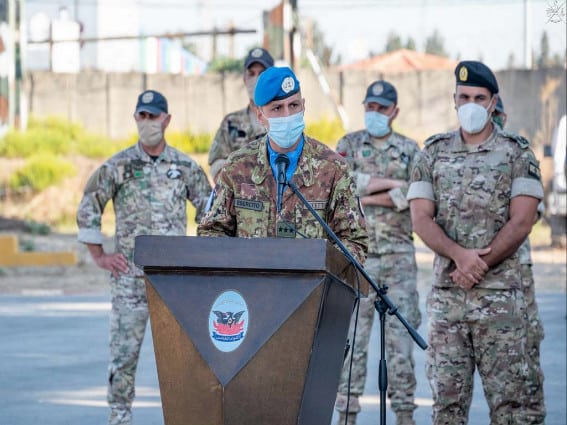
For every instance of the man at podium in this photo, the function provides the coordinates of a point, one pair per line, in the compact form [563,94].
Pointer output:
[246,201]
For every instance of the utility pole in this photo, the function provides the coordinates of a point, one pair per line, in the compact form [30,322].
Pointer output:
[11,49]
[528,60]
[287,28]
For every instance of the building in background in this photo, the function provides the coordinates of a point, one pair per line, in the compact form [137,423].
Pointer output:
[401,60]
[12,111]
[110,40]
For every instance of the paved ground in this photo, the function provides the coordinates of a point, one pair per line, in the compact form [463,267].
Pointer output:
[54,351]
[54,333]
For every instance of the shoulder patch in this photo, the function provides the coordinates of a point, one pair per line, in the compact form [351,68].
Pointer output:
[522,141]
[436,137]
[533,170]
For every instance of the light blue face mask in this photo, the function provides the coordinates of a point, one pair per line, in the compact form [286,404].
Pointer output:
[377,124]
[285,131]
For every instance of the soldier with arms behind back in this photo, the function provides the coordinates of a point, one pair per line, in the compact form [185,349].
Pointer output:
[149,185]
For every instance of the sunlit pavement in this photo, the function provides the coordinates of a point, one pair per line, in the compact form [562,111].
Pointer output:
[54,353]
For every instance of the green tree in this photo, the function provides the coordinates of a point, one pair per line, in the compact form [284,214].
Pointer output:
[394,42]
[410,44]
[543,60]
[434,44]
[323,51]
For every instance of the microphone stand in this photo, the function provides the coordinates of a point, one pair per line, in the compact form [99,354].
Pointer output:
[383,304]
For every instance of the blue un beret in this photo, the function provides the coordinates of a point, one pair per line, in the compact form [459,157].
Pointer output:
[477,74]
[275,83]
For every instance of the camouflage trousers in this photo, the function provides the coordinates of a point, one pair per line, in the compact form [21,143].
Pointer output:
[482,328]
[128,319]
[399,272]
[535,404]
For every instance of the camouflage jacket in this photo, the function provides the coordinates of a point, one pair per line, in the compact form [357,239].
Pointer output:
[472,188]
[246,190]
[236,130]
[389,229]
[149,198]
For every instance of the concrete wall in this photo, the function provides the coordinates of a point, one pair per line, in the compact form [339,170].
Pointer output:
[104,102]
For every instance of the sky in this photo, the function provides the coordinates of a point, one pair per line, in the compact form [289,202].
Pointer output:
[472,29]
[489,30]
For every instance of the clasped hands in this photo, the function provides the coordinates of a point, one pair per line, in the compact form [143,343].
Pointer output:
[471,268]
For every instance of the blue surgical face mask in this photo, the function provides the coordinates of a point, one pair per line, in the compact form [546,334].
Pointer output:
[377,124]
[285,131]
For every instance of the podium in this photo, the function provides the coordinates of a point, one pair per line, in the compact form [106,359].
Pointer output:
[247,331]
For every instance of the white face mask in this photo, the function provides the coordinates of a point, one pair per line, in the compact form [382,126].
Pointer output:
[150,132]
[472,117]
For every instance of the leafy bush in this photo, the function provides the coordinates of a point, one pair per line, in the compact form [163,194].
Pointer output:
[42,171]
[35,141]
[188,142]
[224,64]
[326,130]
[58,137]
[93,146]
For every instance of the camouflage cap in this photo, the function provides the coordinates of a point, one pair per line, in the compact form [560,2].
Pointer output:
[476,74]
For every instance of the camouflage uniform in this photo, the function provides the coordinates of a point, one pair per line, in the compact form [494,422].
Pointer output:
[391,262]
[149,198]
[245,198]
[485,326]
[535,334]
[236,129]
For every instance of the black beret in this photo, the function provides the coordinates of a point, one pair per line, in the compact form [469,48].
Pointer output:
[477,74]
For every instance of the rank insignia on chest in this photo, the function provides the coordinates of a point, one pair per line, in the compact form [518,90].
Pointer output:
[138,174]
[366,153]
[404,158]
[285,229]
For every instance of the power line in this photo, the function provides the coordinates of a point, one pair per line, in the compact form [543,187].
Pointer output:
[229,32]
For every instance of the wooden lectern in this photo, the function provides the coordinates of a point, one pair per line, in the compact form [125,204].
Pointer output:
[247,331]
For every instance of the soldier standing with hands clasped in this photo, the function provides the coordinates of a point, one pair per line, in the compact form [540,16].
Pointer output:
[149,185]
[474,193]
[381,160]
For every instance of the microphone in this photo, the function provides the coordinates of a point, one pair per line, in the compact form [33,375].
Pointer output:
[282,162]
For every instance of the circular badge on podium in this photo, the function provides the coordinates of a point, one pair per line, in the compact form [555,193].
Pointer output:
[228,321]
